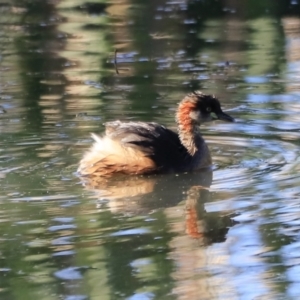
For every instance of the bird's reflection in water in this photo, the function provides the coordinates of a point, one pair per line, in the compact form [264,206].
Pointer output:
[182,197]
[142,194]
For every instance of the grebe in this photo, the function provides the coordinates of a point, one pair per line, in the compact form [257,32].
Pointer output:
[145,148]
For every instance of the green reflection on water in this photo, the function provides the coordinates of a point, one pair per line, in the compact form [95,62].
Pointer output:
[57,62]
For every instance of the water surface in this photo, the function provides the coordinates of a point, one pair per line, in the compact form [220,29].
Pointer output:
[67,67]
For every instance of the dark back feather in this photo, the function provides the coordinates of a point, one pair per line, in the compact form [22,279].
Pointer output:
[160,144]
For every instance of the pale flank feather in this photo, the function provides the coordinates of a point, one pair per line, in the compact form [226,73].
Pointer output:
[108,156]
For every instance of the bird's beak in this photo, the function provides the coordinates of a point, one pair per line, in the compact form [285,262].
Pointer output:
[225,117]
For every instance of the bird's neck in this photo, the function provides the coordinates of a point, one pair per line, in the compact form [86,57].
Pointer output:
[188,130]
[190,139]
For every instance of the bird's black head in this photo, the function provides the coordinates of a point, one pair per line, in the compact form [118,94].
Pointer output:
[205,106]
